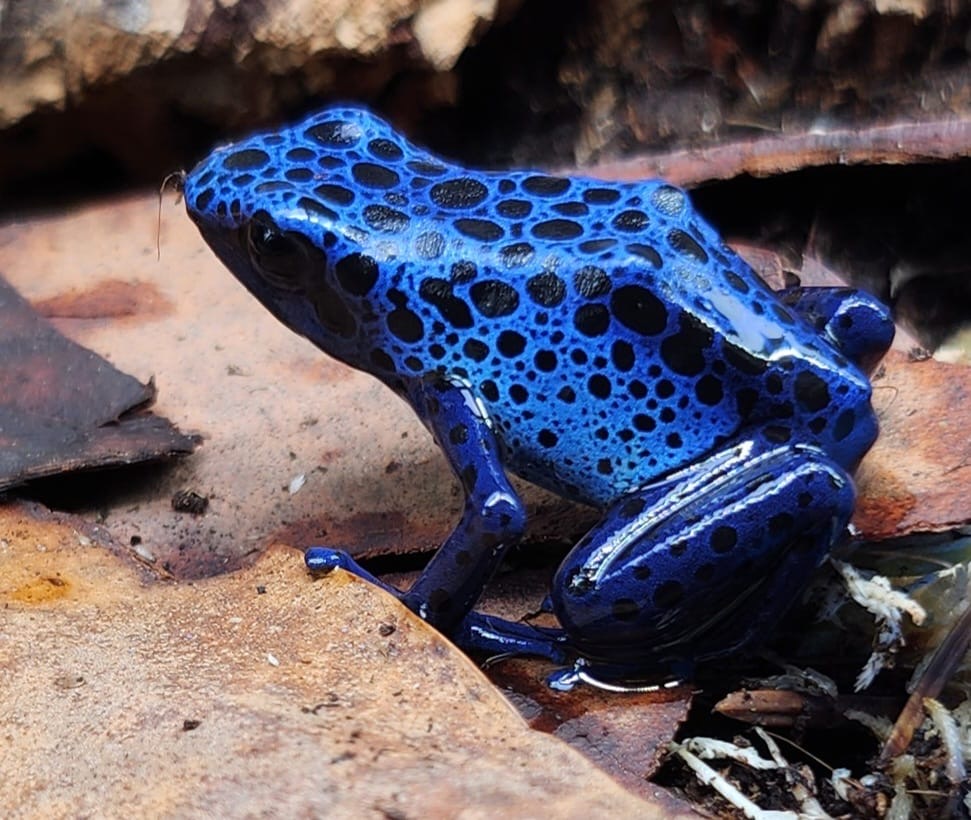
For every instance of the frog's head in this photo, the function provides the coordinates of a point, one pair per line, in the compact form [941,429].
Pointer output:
[277,210]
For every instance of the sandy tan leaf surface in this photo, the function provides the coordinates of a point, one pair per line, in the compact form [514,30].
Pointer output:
[252,692]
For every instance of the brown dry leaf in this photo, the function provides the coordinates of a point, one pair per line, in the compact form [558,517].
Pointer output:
[64,408]
[625,734]
[916,477]
[878,143]
[783,708]
[255,692]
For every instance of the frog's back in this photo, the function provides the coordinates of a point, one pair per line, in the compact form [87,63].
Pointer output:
[609,332]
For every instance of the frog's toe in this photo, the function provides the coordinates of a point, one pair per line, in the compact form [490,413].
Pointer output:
[324,560]
[497,637]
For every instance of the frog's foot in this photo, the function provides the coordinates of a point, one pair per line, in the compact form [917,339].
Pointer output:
[500,639]
[611,679]
[485,634]
[497,637]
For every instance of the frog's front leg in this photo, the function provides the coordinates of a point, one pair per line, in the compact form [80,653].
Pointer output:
[493,518]
[702,563]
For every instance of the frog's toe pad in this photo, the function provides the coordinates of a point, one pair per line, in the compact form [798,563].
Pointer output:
[324,560]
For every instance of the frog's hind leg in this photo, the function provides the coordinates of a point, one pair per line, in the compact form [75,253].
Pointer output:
[705,562]
[493,519]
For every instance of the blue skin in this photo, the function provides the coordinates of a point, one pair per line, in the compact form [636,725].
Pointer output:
[595,338]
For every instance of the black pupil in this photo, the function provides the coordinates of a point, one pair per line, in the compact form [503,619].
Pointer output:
[266,240]
[279,257]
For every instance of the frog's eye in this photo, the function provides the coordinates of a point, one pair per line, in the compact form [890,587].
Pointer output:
[279,257]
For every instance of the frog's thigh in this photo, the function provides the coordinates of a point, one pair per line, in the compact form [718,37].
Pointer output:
[705,562]
[493,518]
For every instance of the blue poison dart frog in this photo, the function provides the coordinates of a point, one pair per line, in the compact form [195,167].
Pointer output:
[595,338]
